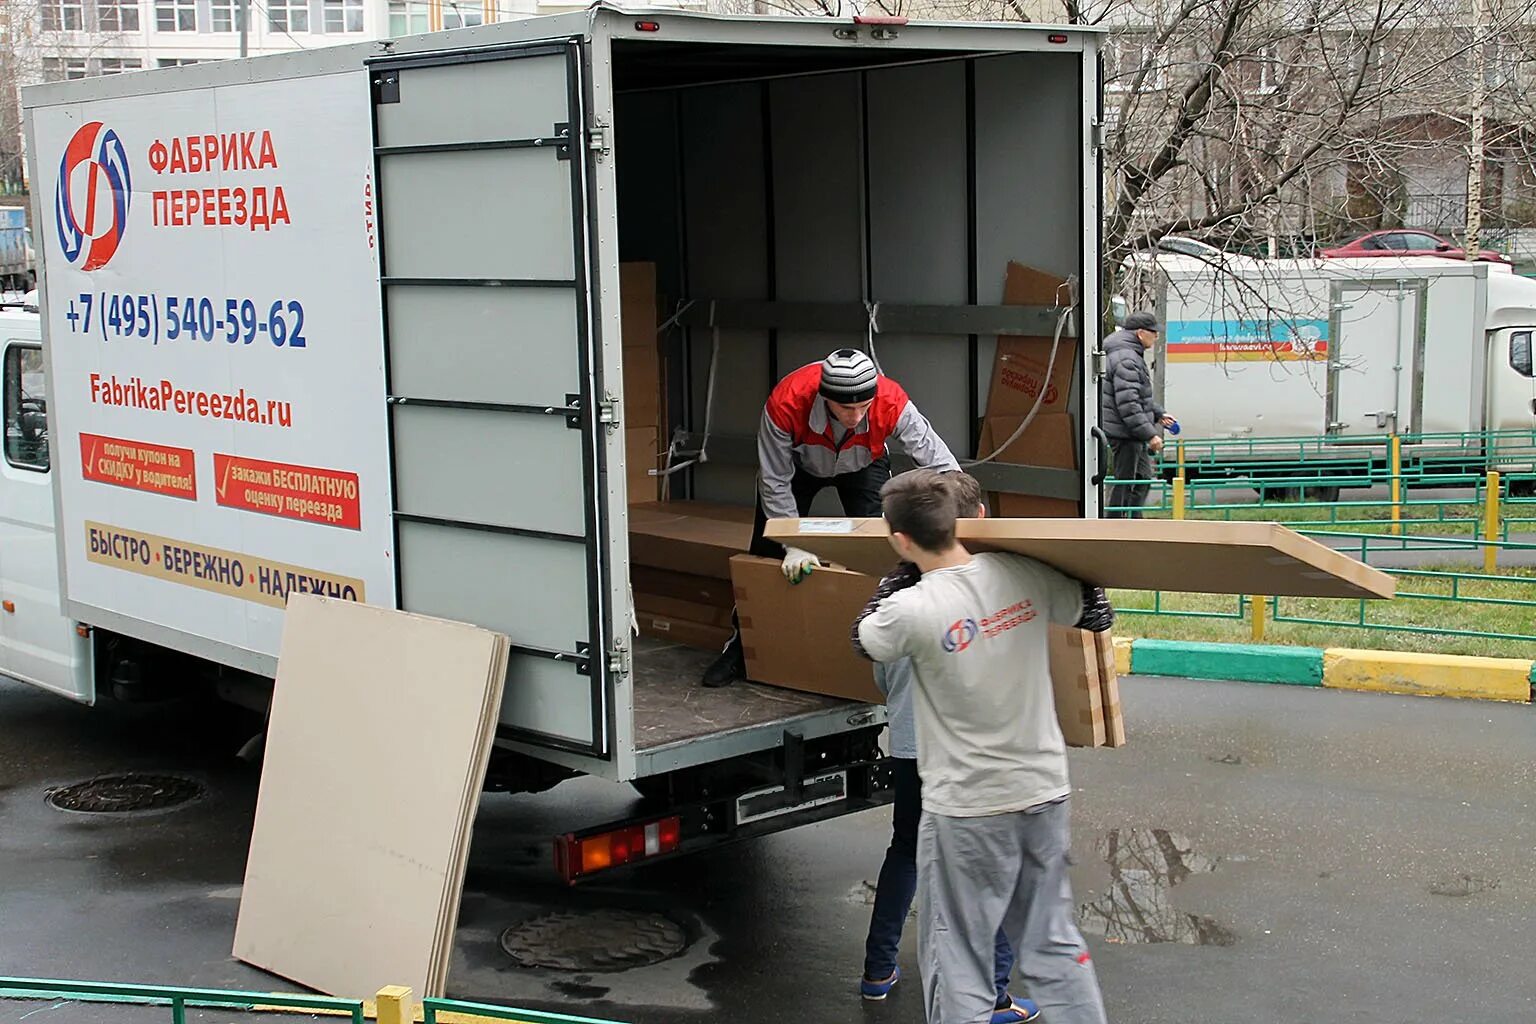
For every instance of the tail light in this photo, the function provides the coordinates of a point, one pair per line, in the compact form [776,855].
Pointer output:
[578,856]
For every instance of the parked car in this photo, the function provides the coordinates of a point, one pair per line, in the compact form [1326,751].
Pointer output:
[1406,242]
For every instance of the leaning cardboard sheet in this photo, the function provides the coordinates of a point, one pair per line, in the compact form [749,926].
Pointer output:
[380,731]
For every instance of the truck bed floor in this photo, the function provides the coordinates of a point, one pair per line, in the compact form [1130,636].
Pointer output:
[670,705]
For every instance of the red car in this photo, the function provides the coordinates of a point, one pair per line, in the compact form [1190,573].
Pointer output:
[1403,242]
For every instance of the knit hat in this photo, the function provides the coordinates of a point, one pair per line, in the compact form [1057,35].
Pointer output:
[848,376]
[1142,322]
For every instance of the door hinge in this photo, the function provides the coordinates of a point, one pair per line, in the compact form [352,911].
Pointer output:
[607,412]
[598,140]
[618,660]
[386,86]
[1098,363]
[562,135]
[1096,136]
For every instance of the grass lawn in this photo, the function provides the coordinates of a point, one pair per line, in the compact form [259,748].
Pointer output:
[1422,602]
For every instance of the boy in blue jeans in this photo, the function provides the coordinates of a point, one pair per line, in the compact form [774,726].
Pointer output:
[898,875]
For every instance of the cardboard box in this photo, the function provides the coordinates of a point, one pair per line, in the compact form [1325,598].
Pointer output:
[1188,556]
[1075,679]
[1109,686]
[703,590]
[1031,506]
[689,634]
[686,537]
[640,459]
[671,609]
[1019,368]
[637,304]
[796,636]
[645,389]
[642,384]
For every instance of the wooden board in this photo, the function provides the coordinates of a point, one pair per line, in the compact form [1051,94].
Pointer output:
[1135,554]
[1109,686]
[1075,680]
[377,746]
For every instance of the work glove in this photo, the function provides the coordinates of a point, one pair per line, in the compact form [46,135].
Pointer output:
[798,564]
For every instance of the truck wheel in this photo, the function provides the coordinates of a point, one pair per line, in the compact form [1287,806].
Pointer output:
[1277,493]
[1323,494]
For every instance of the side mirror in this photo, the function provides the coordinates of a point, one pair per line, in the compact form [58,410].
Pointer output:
[1444,247]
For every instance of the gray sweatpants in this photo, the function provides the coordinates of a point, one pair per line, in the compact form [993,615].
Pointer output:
[1010,871]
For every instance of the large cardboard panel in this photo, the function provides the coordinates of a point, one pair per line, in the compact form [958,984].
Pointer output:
[685,537]
[1135,554]
[1050,441]
[1075,678]
[796,635]
[1109,686]
[1022,367]
[396,827]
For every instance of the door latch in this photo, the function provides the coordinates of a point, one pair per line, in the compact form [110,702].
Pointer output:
[1383,417]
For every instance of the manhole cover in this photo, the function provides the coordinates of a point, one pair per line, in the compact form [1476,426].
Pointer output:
[594,940]
[121,794]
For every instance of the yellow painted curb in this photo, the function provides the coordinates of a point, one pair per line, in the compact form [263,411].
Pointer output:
[1123,655]
[1436,675]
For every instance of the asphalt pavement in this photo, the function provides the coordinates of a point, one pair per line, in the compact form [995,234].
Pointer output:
[1256,854]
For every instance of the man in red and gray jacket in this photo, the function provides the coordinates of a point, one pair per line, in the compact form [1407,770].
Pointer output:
[827,424]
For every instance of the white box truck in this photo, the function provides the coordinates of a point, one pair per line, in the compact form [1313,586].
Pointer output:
[1349,351]
[347,321]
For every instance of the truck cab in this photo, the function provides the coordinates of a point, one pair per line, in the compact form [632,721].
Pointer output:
[38,644]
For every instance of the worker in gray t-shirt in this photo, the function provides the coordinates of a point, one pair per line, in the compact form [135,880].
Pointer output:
[898,873]
[993,838]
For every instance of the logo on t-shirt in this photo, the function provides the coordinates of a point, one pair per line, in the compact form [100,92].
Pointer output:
[960,635]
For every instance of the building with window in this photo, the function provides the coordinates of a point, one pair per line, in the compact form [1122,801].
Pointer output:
[69,39]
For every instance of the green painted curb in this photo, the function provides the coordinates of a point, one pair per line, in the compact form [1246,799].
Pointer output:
[1248,663]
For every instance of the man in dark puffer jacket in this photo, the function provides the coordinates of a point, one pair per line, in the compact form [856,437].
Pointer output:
[1128,413]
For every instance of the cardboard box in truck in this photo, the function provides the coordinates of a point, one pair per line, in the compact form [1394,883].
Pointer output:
[796,635]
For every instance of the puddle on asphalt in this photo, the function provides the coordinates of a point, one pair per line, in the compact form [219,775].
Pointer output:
[1144,866]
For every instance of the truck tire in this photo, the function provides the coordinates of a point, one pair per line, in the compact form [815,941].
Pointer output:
[1326,493]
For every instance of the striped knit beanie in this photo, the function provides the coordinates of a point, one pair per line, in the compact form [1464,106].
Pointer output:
[848,376]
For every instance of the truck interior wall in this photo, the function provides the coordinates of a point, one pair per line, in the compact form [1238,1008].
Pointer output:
[846,187]
[1029,192]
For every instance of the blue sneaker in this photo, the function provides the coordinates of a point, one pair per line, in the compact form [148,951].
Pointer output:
[875,991]
[1020,1011]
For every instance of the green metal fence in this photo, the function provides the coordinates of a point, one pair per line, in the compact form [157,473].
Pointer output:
[177,998]
[180,999]
[1300,482]
[431,1008]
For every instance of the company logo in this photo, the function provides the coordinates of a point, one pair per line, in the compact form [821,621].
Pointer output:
[91,202]
[960,635]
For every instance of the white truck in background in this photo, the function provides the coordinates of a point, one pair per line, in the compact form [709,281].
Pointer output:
[348,321]
[1351,351]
